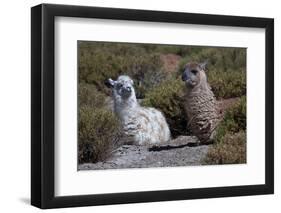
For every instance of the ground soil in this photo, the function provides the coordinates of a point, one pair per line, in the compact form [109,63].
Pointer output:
[183,151]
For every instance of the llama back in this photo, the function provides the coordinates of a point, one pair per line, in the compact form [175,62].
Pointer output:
[146,126]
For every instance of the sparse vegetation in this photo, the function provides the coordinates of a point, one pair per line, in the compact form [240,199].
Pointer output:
[158,85]
[228,84]
[234,120]
[231,151]
[230,140]
[100,61]
[99,133]
[90,96]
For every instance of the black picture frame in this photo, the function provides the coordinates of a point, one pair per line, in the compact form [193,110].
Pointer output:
[43,105]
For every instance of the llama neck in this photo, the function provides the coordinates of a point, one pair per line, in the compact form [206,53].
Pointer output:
[202,88]
[123,106]
[200,96]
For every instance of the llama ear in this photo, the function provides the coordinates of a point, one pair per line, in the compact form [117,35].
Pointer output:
[203,65]
[132,82]
[109,83]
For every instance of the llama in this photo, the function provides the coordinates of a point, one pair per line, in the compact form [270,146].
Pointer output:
[200,103]
[141,125]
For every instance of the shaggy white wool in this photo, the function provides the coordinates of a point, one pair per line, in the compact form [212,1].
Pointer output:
[141,125]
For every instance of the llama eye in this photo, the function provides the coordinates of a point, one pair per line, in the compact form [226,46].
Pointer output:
[194,72]
[119,85]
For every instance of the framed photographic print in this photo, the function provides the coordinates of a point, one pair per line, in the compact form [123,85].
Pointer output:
[139,106]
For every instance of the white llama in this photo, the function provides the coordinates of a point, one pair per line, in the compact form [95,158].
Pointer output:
[141,125]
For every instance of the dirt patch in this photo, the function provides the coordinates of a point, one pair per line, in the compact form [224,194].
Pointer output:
[170,62]
[179,152]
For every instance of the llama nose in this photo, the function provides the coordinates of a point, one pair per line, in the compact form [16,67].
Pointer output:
[128,89]
[184,76]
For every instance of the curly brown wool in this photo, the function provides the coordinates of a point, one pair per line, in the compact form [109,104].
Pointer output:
[200,103]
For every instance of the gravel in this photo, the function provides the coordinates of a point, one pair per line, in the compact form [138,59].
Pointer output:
[182,151]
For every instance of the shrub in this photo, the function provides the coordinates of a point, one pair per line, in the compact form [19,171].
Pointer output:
[90,96]
[227,84]
[218,58]
[230,139]
[147,72]
[100,61]
[180,50]
[99,133]
[234,120]
[231,151]
[168,98]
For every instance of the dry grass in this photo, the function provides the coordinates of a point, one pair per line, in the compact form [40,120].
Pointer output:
[99,133]
[232,150]
[230,139]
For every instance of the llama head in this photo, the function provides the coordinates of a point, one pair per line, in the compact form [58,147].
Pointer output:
[122,87]
[194,74]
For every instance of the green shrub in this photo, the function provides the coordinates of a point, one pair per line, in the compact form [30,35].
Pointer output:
[180,50]
[99,133]
[218,58]
[227,84]
[100,61]
[168,98]
[147,72]
[234,120]
[231,151]
[230,140]
[90,96]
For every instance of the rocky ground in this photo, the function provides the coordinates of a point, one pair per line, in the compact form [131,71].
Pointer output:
[182,151]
